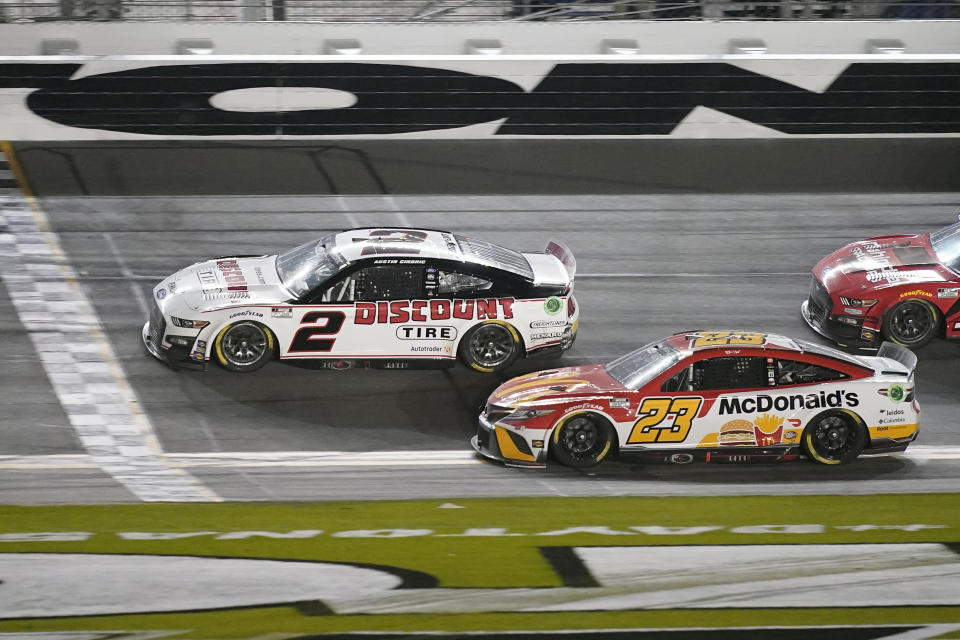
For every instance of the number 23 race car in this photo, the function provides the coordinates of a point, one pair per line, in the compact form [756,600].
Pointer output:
[389,298]
[720,396]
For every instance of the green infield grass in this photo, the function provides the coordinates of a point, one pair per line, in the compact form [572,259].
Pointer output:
[473,544]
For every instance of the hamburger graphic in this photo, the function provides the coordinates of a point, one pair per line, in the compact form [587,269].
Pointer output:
[737,433]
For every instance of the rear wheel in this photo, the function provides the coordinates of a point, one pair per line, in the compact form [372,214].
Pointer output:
[834,437]
[912,323]
[244,346]
[489,347]
[582,440]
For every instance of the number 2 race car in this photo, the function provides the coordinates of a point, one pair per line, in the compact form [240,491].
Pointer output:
[722,396]
[900,288]
[390,298]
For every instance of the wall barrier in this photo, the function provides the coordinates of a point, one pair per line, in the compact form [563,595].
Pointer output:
[547,108]
[485,97]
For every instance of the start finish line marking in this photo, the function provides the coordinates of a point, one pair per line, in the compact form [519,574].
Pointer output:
[76,355]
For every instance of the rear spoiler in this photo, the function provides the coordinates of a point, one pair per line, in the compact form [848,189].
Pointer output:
[899,353]
[562,253]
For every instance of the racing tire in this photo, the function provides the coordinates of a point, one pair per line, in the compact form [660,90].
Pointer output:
[490,346]
[582,440]
[244,346]
[912,323]
[834,437]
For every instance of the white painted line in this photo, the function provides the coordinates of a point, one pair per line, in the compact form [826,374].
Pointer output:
[354,223]
[80,363]
[245,459]
[135,290]
[24,463]
[692,275]
[327,459]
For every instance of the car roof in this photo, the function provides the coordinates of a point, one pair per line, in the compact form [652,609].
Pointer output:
[402,242]
[731,340]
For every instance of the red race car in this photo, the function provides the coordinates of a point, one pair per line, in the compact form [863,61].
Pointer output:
[905,289]
[714,396]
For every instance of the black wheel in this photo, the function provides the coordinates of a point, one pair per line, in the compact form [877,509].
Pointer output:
[244,346]
[489,347]
[834,437]
[912,323]
[582,440]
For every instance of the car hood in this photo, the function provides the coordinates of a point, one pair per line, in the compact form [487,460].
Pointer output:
[225,282]
[569,383]
[877,263]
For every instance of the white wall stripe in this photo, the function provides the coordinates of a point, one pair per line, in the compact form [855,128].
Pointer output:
[80,364]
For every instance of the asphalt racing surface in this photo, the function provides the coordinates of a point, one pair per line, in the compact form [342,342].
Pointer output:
[647,266]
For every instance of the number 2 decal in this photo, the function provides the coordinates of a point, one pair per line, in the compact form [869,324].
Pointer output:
[306,338]
[721,338]
[664,419]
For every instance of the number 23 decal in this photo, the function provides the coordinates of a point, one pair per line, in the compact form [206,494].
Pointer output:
[664,419]
[721,338]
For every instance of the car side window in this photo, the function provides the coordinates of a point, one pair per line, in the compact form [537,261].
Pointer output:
[382,282]
[680,381]
[453,284]
[794,372]
[729,372]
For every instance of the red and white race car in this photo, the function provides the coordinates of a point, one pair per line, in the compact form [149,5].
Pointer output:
[389,298]
[900,288]
[717,396]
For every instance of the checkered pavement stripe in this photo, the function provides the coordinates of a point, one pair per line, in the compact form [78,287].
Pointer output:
[7,179]
[77,356]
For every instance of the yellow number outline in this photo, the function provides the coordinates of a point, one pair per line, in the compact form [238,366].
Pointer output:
[653,412]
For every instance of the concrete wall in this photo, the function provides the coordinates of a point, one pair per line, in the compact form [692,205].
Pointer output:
[516,38]
[669,107]
[479,97]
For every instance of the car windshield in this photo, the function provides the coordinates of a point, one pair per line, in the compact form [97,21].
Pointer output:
[946,244]
[304,267]
[639,367]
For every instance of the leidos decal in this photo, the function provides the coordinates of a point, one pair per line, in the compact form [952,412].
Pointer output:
[764,403]
[401,311]
[573,99]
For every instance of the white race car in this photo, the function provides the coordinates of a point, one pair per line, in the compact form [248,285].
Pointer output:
[392,298]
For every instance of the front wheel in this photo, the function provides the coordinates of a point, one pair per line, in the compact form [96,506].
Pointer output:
[834,437]
[582,440]
[489,347]
[244,346]
[912,323]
